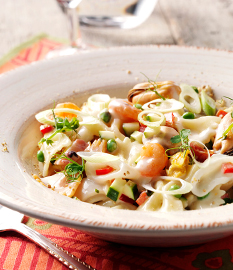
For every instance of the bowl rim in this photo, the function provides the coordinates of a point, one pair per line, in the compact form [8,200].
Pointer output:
[22,206]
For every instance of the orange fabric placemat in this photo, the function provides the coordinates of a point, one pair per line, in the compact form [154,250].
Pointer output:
[19,253]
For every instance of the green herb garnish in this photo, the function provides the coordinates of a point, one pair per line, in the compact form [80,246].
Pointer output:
[73,171]
[195,89]
[227,201]
[183,139]
[61,125]
[155,86]
[138,106]
[224,135]
[229,98]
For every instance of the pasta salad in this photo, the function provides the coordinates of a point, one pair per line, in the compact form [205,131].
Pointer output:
[164,148]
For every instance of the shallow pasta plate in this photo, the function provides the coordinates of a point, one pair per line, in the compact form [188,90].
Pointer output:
[29,89]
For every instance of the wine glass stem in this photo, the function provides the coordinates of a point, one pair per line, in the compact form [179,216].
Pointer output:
[73,25]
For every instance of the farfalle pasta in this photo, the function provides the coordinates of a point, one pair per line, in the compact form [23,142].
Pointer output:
[165,148]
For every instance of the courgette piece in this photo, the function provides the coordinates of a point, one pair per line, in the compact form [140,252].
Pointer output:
[130,190]
[107,135]
[129,128]
[136,136]
[150,132]
[115,189]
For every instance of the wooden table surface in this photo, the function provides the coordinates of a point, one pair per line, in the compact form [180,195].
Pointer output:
[205,23]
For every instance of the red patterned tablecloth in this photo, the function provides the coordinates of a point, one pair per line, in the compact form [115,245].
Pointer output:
[19,253]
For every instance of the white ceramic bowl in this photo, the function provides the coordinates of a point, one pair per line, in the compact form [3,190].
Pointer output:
[29,89]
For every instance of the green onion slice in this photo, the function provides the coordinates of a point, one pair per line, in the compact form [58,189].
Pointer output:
[208,104]
[151,118]
[190,98]
[164,106]
[46,117]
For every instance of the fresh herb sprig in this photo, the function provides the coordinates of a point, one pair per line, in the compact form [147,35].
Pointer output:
[61,125]
[155,87]
[183,139]
[225,133]
[229,98]
[73,171]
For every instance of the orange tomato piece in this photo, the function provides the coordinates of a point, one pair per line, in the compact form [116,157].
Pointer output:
[68,105]
[153,159]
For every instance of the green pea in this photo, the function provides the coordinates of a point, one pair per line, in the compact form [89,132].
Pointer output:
[138,106]
[175,187]
[188,115]
[105,116]
[203,197]
[111,145]
[40,156]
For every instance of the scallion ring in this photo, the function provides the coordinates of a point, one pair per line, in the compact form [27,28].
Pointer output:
[98,102]
[151,118]
[164,106]
[190,98]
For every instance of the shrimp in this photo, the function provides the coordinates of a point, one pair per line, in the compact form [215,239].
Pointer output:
[143,92]
[124,110]
[164,139]
[153,160]
[68,105]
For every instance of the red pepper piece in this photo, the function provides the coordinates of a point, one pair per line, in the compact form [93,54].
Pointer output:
[227,167]
[103,171]
[221,113]
[46,128]
[142,198]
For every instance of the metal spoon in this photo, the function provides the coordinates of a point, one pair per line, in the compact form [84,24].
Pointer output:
[11,221]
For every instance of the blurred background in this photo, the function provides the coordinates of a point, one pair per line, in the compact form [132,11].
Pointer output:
[204,23]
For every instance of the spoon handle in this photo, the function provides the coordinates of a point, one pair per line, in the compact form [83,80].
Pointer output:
[59,253]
